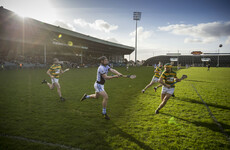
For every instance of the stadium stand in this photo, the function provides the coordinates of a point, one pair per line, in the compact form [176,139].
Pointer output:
[31,42]
[192,60]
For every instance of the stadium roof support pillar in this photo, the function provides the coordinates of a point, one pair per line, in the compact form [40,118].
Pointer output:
[81,57]
[136,44]
[45,54]
[193,60]
[178,59]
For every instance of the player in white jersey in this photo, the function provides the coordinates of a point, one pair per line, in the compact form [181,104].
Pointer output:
[102,71]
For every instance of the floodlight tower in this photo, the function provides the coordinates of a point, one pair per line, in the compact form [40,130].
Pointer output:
[136,16]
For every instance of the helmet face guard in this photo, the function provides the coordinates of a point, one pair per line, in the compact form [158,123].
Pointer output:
[56,61]
[168,65]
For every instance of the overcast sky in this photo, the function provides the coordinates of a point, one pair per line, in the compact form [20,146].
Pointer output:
[165,25]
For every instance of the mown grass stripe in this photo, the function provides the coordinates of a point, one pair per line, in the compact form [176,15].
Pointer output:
[39,142]
[211,114]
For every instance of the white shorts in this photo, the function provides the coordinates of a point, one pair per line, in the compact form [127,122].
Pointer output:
[155,79]
[54,80]
[167,90]
[98,87]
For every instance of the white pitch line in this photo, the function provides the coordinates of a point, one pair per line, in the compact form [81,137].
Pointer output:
[211,114]
[39,142]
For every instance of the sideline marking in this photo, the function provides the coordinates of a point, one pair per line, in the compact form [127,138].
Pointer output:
[211,114]
[38,142]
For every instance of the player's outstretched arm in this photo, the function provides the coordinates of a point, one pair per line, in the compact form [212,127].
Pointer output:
[66,70]
[48,72]
[63,71]
[162,82]
[109,77]
[157,71]
[116,72]
[178,80]
[182,78]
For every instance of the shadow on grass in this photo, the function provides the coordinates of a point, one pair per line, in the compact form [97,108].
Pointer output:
[119,131]
[185,99]
[198,81]
[211,126]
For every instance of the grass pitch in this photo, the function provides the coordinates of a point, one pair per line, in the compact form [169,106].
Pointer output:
[29,109]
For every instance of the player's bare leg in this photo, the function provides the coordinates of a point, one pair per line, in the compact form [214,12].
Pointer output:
[93,96]
[162,97]
[59,91]
[155,88]
[149,85]
[104,104]
[96,95]
[51,86]
[105,97]
[164,101]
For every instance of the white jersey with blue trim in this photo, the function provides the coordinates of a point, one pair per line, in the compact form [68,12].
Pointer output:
[100,71]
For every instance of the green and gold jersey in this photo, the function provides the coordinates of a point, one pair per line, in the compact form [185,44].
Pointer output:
[157,75]
[55,70]
[169,77]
